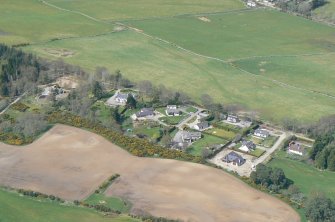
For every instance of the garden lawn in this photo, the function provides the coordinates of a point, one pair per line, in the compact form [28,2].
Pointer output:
[23,209]
[269,141]
[306,177]
[257,152]
[228,135]
[114,203]
[207,140]
[151,132]
[172,120]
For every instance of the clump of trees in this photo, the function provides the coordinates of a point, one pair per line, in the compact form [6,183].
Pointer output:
[273,179]
[303,7]
[320,209]
[323,150]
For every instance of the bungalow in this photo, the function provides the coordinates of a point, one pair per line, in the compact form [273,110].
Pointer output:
[201,126]
[172,110]
[233,119]
[247,146]
[190,137]
[145,112]
[261,133]
[295,148]
[121,98]
[234,158]
[251,4]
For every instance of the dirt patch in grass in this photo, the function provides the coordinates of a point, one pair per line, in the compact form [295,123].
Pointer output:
[204,19]
[60,53]
[71,163]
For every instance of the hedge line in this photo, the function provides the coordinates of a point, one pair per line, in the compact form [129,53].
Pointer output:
[136,146]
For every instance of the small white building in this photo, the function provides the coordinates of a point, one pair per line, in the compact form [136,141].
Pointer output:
[251,4]
[263,133]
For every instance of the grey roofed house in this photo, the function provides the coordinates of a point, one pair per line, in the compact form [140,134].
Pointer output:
[172,112]
[261,133]
[190,136]
[249,144]
[296,148]
[202,125]
[234,158]
[144,112]
[233,119]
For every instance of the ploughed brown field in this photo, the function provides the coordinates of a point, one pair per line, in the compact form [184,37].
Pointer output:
[71,163]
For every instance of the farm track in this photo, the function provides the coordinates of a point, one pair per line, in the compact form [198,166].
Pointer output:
[230,62]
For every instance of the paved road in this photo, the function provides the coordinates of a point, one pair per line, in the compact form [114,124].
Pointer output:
[190,117]
[272,149]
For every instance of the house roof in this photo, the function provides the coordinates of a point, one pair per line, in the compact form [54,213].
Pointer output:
[233,157]
[189,135]
[262,132]
[174,111]
[171,106]
[248,144]
[145,112]
[203,125]
[122,96]
[294,146]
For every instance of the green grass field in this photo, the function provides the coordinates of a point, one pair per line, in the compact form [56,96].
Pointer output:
[23,209]
[29,21]
[134,9]
[229,36]
[111,202]
[173,120]
[306,177]
[228,135]
[207,140]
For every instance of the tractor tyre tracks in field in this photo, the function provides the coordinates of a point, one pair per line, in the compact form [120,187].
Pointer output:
[277,82]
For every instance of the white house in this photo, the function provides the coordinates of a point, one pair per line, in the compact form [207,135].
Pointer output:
[247,146]
[190,137]
[251,4]
[233,119]
[121,98]
[295,148]
[261,133]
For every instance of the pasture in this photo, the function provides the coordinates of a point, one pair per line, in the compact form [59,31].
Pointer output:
[23,209]
[71,163]
[284,87]
[133,9]
[142,58]
[306,177]
[30,21]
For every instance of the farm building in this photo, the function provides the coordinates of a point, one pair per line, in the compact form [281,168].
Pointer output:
[261,133]
[296,148]
[233,119]
[145,112]
[247,146]
[202,126]
[234,158]
[172,110]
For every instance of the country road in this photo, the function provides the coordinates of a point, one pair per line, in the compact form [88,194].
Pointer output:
[272,149]
[190,117]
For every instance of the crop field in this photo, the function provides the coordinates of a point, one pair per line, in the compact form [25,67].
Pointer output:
[306,177]
[23,209]
[71,163]
[255,58]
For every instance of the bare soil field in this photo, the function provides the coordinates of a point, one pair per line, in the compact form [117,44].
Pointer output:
[70,163]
